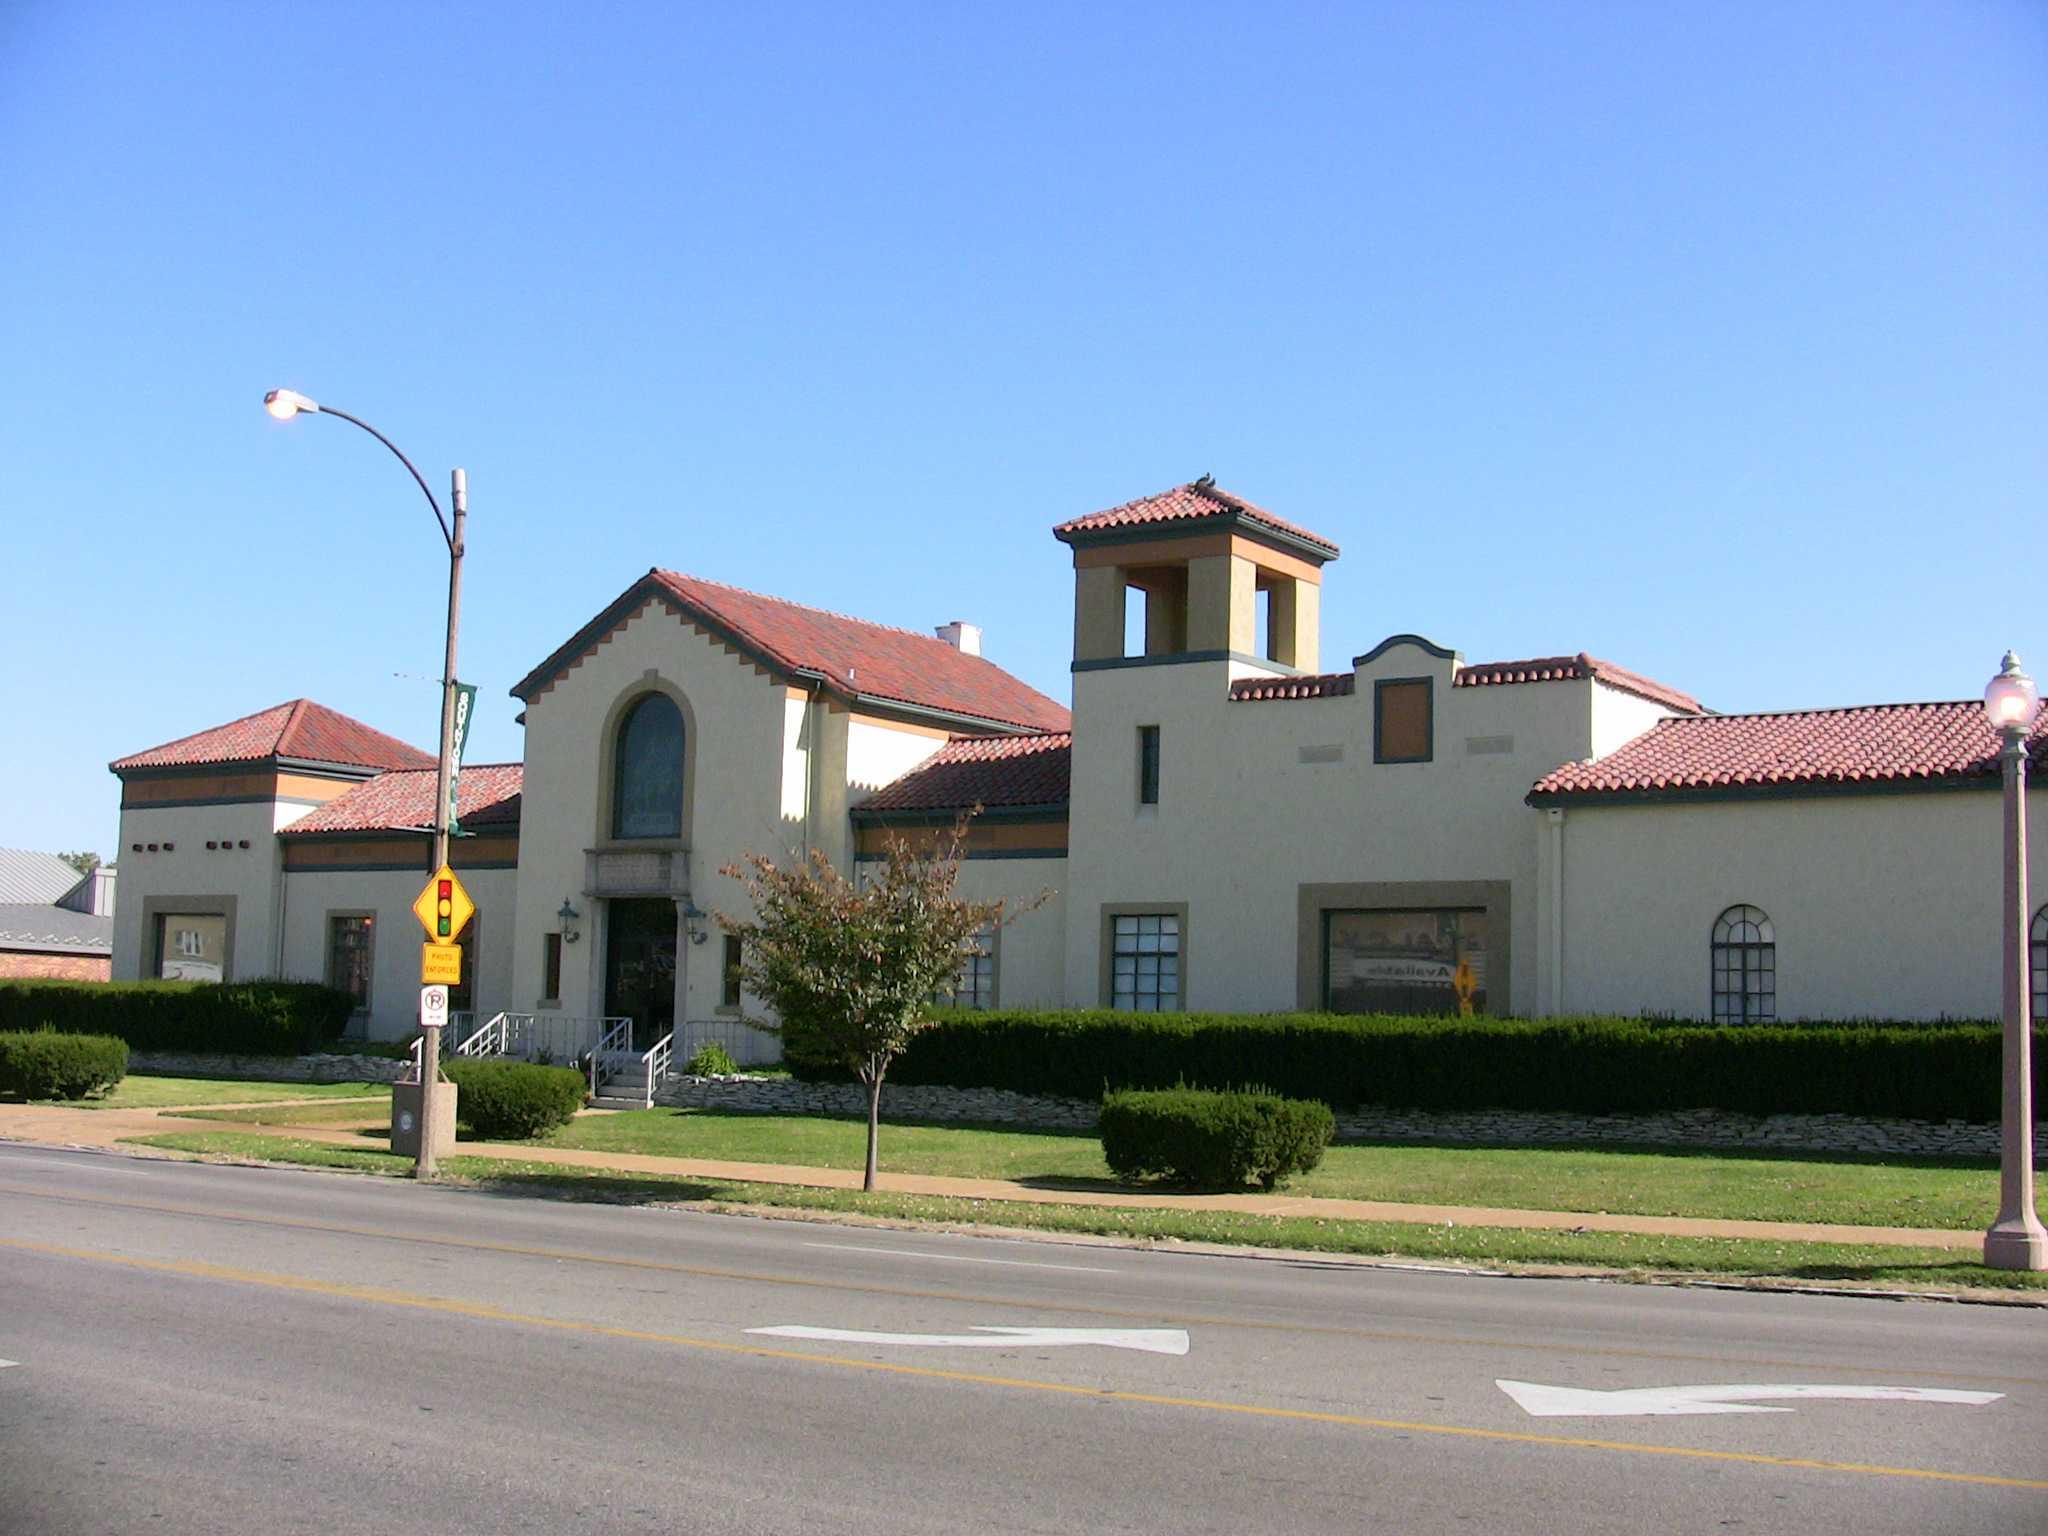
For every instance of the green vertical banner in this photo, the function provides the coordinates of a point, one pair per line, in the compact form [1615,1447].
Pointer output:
[465,702]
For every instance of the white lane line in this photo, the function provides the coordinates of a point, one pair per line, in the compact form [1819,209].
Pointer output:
[6,1363]
[958,1258]
[1548,1402]
[1156,1341]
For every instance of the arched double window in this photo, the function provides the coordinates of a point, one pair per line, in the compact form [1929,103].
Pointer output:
[647,770]
[2037,965]
[1745,967]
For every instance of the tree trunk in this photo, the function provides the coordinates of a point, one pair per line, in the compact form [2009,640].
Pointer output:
[874,1127]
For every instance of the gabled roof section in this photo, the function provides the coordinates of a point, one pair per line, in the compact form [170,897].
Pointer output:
[1196,503]
[1561,669]
[35,879]
[1871,746]
[486,799]
[856,660]
[995,772]
[299,731]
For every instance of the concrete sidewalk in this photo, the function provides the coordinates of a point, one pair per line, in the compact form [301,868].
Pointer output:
[52,1125]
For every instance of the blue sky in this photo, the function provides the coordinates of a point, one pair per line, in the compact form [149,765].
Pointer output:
[1709,339]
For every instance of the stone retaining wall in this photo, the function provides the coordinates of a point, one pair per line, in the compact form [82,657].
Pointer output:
[276,1069]
[1699,1128]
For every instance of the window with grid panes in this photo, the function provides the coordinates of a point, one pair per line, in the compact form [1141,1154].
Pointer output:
[975,986]
[2037,965]
[1144,966]
[1745,967]
[349,939]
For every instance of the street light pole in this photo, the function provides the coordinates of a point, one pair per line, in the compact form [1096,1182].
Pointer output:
[285,404]
[2016,1239]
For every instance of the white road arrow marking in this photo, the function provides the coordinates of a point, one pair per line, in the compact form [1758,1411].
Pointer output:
[1561,1402]
[1157,1341]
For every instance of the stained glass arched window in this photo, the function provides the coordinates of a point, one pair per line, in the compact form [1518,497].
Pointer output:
[647,770]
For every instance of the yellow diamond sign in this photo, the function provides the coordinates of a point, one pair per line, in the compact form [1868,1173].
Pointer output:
[444,906]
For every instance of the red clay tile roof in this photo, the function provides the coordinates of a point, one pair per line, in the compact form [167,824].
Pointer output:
[1198,501]
[1872,744]
[299,729]
[1007,772]
[486,795]
[1560,669]
[856,658]
[1326,685]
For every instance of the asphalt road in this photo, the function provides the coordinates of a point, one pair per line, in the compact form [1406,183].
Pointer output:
[226,1350]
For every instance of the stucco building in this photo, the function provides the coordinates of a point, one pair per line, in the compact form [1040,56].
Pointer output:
[1219,824]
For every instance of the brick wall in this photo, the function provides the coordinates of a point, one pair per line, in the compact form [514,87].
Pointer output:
[56,967]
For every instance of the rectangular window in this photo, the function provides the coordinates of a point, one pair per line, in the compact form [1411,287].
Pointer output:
[975,986]
[1148,765]
[462,996]
[349,940]
[551,967]
[1144,963]
[191,946]
[1401,724]
[729,977]
[1430,961]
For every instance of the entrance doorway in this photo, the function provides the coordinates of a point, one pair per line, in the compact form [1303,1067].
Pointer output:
[640,966]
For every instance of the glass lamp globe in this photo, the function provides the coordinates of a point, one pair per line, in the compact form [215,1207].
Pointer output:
[2012,698]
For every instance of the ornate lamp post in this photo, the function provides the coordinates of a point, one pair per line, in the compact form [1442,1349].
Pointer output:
[2016,1240]
[284,404]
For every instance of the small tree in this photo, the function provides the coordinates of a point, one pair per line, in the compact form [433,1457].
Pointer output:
[855,967]
[84,863]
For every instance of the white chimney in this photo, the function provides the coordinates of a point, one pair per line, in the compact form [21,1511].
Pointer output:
[962,636]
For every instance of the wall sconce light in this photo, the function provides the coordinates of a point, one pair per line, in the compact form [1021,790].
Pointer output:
[693,921]
[569,917]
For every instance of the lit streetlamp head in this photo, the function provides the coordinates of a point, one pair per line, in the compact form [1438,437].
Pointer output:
[284,404]
[2012,698]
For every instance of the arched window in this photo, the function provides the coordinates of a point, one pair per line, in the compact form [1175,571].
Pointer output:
[647,770]
[1745,967]
[2037,965]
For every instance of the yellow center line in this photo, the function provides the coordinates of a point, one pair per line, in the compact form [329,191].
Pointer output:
[968,1298]
[381,1296]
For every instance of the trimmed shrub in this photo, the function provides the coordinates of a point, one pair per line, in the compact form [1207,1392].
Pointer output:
[239,1018]
[712,1060]
[1933,1071]
[513,1100]
[48,1065]
[1213,1140]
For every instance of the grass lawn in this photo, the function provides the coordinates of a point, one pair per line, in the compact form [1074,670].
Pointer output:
[330,1111]
[169,1092]
[1620,1252]
[1900,1193]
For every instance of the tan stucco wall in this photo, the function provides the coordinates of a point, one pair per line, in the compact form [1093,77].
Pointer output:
[1884,905]
[1244,822]
[749,735]
[1030,960]
[249,877]
[311,897]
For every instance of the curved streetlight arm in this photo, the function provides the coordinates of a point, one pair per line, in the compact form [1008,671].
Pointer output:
[328,410]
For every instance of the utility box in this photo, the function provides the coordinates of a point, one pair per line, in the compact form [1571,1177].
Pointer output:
[405,1119]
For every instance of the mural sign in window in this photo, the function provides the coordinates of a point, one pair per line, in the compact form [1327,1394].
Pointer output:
[191,946]
[1405,962]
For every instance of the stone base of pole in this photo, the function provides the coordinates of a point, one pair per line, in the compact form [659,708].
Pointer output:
[2020,1245]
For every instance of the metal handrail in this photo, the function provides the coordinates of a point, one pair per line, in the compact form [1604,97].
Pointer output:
[489,1040]
[656,1061]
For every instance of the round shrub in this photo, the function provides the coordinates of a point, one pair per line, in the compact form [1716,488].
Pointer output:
[512,1100]
[1213,1140]
[44,1064]
[712,1060]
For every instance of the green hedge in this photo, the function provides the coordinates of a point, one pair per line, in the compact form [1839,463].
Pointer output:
[242,1018]
[1590,1065]
[44,1064]
[512,1100]
[1213,1140]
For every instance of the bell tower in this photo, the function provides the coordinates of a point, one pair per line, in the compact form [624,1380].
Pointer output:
[1221,580]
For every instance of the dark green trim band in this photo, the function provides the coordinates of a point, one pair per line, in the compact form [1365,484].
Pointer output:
[409,867]
[1178,658]
[990,853]
[191,800]
[1393,640]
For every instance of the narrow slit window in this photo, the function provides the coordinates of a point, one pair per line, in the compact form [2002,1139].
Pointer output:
[1148,765]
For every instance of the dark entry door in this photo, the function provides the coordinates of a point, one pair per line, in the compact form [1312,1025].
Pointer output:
[640,967]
